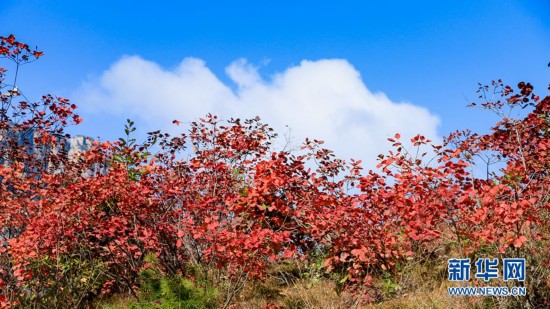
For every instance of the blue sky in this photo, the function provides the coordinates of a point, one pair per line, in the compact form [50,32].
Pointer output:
[428,55]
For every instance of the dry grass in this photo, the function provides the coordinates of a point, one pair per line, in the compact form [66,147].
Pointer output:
[433,299]
[417,284]
[301,294]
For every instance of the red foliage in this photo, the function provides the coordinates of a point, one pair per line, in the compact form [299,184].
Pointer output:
[229,202]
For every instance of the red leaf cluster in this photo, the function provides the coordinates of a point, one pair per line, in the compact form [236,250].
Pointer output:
[219,196]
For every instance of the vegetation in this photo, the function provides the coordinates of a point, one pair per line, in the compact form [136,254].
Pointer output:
[215,217]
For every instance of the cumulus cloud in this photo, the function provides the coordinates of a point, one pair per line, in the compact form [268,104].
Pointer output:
[324,99]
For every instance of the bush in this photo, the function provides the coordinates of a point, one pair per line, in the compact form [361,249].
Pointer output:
[77,229]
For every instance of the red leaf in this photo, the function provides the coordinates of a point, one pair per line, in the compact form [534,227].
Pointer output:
[288,254]
[520,241]
[38,54]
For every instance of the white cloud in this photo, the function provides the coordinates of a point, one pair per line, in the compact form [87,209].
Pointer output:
[324,99]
